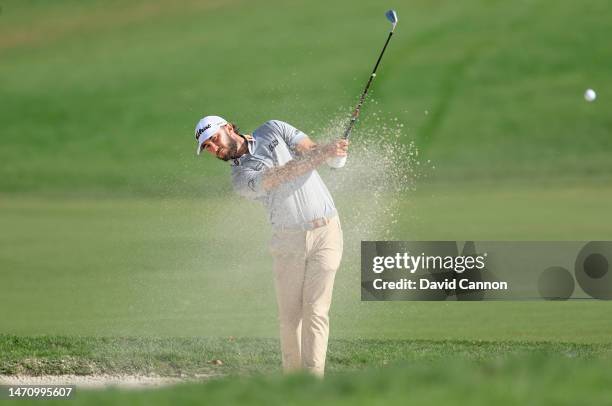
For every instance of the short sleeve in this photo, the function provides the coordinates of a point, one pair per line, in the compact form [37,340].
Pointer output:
[247,181]
[289,133]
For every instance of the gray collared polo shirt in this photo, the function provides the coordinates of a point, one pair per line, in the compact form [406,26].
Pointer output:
[292,203]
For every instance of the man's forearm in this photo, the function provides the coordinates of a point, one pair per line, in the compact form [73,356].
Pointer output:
[275,176]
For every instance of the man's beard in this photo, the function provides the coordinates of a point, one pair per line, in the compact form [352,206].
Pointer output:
[230,151]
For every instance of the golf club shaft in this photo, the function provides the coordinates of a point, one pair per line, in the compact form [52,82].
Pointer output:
[357,110]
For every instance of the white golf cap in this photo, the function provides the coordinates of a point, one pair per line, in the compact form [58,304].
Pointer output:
[206,128]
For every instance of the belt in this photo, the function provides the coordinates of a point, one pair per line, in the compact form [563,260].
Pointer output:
[311,225]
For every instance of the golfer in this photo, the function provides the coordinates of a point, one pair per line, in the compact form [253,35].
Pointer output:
[276,165]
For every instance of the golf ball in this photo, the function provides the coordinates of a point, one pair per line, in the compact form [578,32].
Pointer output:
[590,95]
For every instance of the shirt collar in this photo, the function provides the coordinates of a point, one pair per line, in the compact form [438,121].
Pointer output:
[251,147]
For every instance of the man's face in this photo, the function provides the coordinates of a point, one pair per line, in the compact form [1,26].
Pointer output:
[222,145]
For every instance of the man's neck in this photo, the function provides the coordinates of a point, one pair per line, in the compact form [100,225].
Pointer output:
[243,145]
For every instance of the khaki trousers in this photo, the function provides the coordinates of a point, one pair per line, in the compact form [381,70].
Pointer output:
[305,265]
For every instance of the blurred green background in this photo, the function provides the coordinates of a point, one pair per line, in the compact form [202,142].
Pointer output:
[111,226]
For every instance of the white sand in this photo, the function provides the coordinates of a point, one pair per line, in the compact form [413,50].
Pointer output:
[98,381]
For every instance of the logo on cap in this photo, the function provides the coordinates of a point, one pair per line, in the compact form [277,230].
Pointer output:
[201,130]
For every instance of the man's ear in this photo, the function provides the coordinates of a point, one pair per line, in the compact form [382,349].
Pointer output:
[230,128]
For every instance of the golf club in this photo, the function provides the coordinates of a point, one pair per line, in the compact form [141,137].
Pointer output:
[339,162]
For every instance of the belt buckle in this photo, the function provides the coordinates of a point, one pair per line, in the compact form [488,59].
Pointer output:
[320,222]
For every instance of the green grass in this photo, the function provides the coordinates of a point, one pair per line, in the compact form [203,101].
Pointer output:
[245,356]
[169,267]
[423,372]
[359,371]
[112,228]
[524,380]
[104,95]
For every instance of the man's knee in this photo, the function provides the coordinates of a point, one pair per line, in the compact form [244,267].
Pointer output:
[290,320]
[317,313]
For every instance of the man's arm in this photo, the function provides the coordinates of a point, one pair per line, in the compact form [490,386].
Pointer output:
[310,156]
[305,145]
